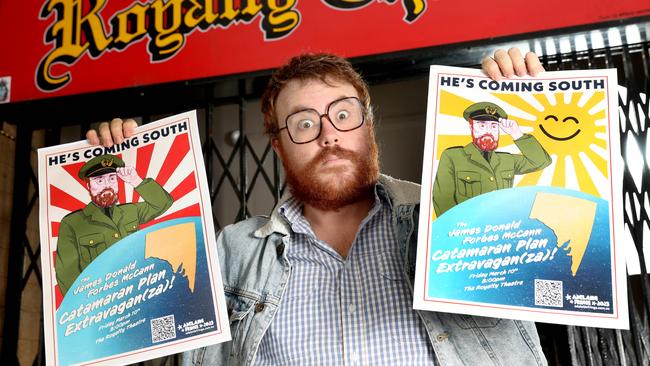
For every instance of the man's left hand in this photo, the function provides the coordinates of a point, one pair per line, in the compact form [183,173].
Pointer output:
[511,128]
[129,175]
[510,63]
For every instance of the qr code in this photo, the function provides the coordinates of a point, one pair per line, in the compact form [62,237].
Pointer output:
[548,293]
[163,328]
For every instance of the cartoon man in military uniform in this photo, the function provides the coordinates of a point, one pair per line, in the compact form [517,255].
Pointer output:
[84,234]
[468,171]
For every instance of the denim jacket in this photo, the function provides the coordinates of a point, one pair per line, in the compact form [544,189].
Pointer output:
[255,273]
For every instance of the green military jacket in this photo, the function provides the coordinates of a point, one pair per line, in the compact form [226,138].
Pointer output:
[84,234]
[464,173]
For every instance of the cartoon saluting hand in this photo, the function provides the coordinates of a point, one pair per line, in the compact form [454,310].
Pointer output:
[129,175]
[511,127]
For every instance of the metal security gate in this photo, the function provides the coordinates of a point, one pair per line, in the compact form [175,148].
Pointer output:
[245,175]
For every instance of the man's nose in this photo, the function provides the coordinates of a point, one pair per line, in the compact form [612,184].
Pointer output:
[329,135]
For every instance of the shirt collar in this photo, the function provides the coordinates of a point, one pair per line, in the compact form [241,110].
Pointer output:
[291,209]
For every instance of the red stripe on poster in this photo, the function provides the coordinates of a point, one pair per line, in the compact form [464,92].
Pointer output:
[186,186]
[61,199]
[143,161]
[180,147]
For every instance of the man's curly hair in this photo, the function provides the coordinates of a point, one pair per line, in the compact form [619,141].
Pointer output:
[327,68]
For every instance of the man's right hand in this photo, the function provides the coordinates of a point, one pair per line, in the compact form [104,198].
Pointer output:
[506,64]
[112,133]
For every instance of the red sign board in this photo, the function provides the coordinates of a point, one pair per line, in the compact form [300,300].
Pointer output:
[64,47]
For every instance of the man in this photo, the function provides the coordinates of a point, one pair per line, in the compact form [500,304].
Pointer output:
[468,171]
[84,234]
[327,279]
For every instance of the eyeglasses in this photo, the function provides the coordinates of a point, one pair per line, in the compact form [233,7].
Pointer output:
[345,114]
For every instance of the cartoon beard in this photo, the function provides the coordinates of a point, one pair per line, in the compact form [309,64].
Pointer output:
[344,189]
[105,198]
[486,142]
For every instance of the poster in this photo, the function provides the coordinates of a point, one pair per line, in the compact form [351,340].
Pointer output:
[128,248]
[521,207]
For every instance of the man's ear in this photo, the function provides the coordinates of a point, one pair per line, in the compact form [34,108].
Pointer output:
[275,144]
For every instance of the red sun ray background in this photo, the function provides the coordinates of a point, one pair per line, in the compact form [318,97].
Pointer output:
[178,150]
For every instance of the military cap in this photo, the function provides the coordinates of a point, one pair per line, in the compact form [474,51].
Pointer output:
[484,111]
[100,165]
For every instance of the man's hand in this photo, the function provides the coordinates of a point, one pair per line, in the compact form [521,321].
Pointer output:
[509,63]
[129,175]
[112,133]
[511,128]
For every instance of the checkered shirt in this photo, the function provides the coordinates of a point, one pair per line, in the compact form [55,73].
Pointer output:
[346,311]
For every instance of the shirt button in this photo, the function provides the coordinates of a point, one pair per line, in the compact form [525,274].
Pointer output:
[116,235]
[134,226]
[442,337]
[491,179]
[259,307]
[467,178]
[91,242]
[352,308]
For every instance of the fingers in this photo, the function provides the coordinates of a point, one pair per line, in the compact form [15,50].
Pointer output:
[105,134]
[129,127]
[518,62]
[129,175]
[533,65]
[91,137]
[501,65]
[123,174]
[113,132]
[504,62]
[116,130]
[510,63]
[490,67]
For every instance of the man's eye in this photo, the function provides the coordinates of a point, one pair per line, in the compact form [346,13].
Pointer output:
[342,115]
[305,124]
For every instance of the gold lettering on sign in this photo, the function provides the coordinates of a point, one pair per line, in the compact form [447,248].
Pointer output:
[412,8]
[165,23]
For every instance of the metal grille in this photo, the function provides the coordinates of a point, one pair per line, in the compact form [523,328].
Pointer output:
[594,346]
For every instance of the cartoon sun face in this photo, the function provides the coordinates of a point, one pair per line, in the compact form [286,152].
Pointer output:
[564,124]
[571,126]
[551,117]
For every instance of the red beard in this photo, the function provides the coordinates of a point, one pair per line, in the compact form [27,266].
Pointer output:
[486,142]
[105,198]
[341,191]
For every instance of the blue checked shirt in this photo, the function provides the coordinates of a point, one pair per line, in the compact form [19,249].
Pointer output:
[353,311]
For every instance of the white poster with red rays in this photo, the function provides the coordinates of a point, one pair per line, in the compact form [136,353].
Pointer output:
[129,262]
